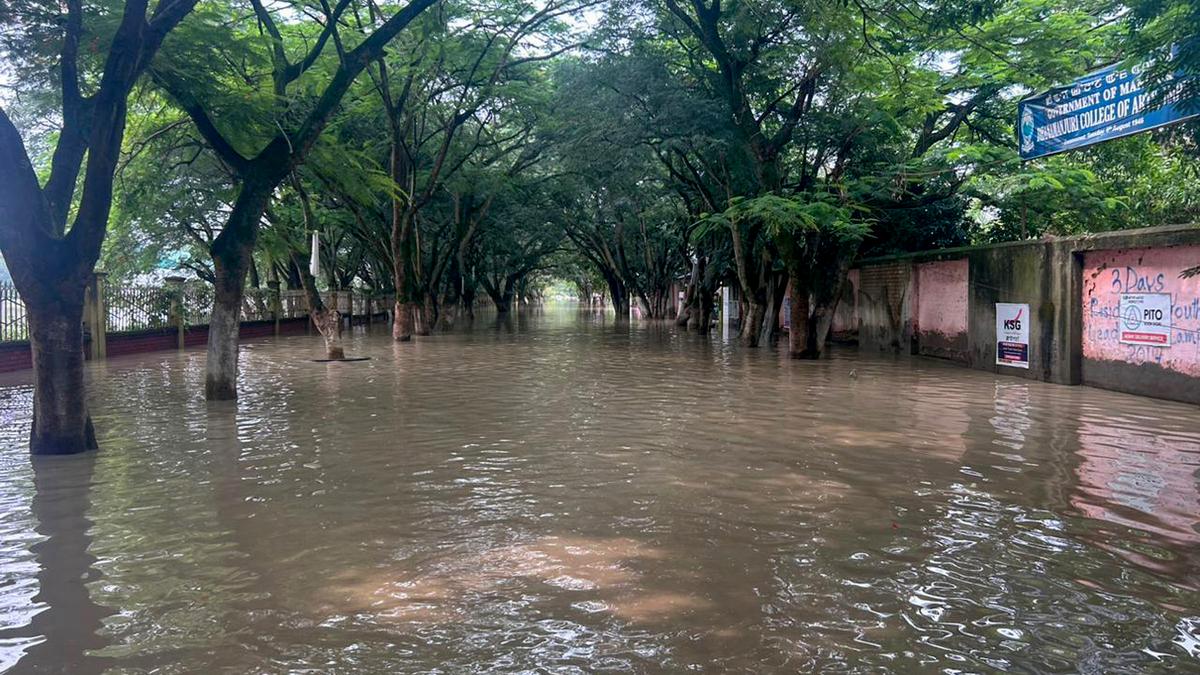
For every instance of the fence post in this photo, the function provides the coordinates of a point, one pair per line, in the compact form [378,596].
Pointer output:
[95,314]
[175,288]
[276,303]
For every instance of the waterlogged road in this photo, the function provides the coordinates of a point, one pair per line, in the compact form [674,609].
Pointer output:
[567,496]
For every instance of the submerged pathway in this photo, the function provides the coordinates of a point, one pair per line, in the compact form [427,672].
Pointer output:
[567,494]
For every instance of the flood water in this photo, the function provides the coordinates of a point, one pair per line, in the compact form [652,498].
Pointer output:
[565,495]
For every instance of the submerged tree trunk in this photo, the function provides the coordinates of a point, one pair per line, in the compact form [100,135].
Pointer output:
[468,303]
[402,328]
[619,292]
[798,330]
[48,261]
[61,424]
[429,314]
[224,323]
[751,324]
[232,252]
[708,303]
[328,320]
[776,285]
[329,325]
[812,320]
[689,310]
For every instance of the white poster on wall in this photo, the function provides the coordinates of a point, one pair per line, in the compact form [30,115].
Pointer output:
[1146,319]
[1012,334]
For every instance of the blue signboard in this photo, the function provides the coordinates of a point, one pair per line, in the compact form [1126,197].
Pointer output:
[1107,104]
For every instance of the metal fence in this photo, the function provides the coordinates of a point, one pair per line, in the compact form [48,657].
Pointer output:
[14,324]
[197,303]
[256,305]
[133,308]
[129,309]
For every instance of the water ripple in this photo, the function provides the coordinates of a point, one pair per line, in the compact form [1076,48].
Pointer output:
[565,495]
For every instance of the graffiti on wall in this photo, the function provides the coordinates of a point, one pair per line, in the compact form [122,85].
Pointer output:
[1136,308]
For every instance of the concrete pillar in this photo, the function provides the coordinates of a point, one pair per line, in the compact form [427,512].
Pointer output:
[178,316]
[276,303]
[95,315]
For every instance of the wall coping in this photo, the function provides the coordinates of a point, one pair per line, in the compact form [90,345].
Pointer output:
[1145,237]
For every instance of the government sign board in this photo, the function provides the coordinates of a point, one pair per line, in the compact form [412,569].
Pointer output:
[1145,319]
[1100,106]
[1012,334]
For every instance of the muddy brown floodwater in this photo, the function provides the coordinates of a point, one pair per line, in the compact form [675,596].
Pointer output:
[563,495]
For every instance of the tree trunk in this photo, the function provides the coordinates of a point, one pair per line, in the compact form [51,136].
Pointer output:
[620,297]
[429,315]
[221,368]
[329,325]
[752,323]
[232,254]
[402,328]
[468,303]
[798,332]
[503,302]
[61,424]
[708,302]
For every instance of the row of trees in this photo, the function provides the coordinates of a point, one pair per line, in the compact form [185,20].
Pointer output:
[451,148]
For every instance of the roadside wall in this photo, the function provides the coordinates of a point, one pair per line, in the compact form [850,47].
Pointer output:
[17,356]
[845,319]
[941,298]
[884,308]
[1110,358]
[943,304]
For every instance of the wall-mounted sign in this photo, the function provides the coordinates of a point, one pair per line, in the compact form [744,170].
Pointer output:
[1146,319]
[1012,334]
[1100,106]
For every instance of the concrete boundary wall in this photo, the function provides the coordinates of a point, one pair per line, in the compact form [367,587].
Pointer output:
[913,304]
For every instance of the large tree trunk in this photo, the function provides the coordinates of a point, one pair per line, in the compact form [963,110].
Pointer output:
[61,424]
[503,302]
[232,253]
[402,328]
[798,330]
[47,263]
[221,368]
[620,296]
[811,321]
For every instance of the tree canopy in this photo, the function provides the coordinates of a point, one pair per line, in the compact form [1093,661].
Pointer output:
[626,146]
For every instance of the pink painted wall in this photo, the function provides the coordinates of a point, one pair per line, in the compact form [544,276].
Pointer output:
[1108,274]
[942,298]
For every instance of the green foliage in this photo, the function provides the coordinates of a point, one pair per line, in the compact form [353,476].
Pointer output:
[787,128]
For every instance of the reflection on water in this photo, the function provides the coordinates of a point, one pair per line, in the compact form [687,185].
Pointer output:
[563,494]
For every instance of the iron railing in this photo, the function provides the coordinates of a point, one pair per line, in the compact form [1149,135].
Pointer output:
[134,308]
[127,309]
[14,323]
